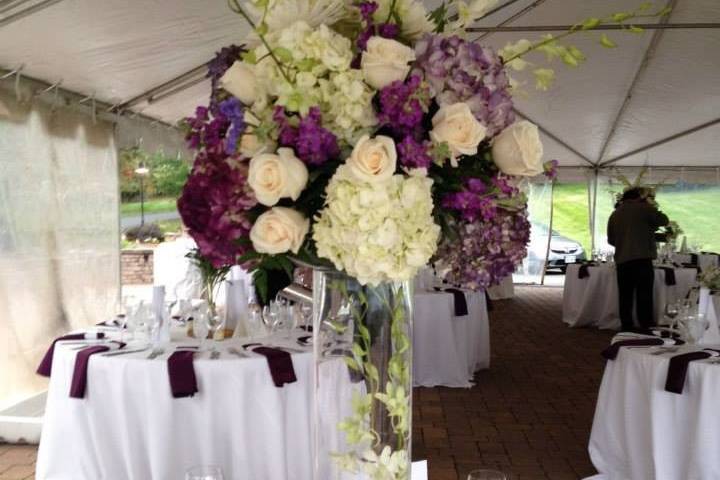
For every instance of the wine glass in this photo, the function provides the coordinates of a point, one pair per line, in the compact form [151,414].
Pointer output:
[291,320]
[306,313]
[142,321]
[486,475]
[672,309]
[271,316]
[213,322]
[204,472]
[200,325]
[255,323]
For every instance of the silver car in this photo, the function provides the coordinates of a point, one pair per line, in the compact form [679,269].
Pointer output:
[563,250]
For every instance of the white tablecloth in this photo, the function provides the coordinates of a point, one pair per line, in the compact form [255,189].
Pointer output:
[705,260]
[593,301]
[128,427]
[448,350]
[506,289]
[642,432]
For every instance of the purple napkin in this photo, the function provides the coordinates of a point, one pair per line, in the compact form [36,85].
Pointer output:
[612,351]
[182,374]
[279,362]
[669,276]
[79,379]
[459,301]
[677,370]
[45,368]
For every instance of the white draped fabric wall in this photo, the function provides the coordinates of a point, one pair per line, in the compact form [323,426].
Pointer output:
[59,239]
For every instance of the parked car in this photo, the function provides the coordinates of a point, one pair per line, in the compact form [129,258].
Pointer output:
[563,250]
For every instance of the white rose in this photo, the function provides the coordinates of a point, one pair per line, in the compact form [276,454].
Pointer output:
[385,61]
[373,159]
[279,230]
[517,150]
[456,125]
[276,176]
[240,80]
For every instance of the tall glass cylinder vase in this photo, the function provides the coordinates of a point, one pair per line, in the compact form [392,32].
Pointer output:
[363,378]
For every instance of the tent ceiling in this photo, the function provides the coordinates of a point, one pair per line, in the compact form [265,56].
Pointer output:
[118,52]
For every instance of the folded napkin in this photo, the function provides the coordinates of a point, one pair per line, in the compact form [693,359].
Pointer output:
[110,323]
[181,373]
[677,369]
[612,351]
[305,340]
[459,301]
[45,367]
[584,271]
[307,328]
[669,276]
[279,362]
[79,378]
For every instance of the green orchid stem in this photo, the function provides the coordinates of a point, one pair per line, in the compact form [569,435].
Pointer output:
[576,29]
[235,7]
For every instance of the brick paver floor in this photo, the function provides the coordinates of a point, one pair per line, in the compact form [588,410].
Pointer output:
[529,415]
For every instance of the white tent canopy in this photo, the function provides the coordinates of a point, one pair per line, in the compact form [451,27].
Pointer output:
[654,101]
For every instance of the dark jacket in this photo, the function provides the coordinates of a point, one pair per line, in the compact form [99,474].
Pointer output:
[631,230]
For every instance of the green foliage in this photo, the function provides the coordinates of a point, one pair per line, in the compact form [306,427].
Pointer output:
[166,178]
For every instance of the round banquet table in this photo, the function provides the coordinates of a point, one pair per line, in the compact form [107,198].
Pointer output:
[642,432]
[449,349]
[704,260]
[593,301]
[129,427]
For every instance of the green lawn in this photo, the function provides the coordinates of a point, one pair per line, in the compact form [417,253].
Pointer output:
[153,205]
[696,211]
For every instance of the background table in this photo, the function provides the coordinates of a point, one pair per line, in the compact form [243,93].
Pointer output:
[593,301]
[448,350]
[128,427]
[642,432]
[705,260]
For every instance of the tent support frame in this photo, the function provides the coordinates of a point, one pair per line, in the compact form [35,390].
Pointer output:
[647,57]
[560,28]
[555,137]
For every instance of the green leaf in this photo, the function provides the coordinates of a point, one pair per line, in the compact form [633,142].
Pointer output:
[644,6]
[250,57]
[606,42]
[664,12]
[248,256]
[636,29]
[262,29]
[260,280]
[569,59]
[590,23]
[577,53]
[621,16]
[352,364]
[284,54]
[544,78]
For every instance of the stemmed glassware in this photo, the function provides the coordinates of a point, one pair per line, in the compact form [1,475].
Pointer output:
[200,325]
[214,322]
[306,313]
[672,309]
[205,472]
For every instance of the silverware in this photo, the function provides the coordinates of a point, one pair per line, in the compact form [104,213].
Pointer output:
[289,349]
[123,352]
[214,355]
[237,352]
[156,352]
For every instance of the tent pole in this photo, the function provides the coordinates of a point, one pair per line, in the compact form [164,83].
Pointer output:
[560,28]
[593,218]
[512,18]
[28,11]
[550,229]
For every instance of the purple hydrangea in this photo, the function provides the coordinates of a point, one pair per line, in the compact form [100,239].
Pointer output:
[550,169]
[217,68]
[462,71]
[312,143]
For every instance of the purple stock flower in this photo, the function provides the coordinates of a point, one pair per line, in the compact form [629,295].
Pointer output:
[312,143]
[217,68]
[367,9]
[403,104]
[414,154]
[388,30]
[462,71]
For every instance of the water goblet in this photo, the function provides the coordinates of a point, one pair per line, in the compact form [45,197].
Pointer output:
[486,475]
[306,313]
[204,472]
[200,326]
[213,322]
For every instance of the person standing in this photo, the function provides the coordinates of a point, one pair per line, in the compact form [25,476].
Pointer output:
[631,230]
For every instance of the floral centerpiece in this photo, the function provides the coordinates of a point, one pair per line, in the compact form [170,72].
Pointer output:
[368,139]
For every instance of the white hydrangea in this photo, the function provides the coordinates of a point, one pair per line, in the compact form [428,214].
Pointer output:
[377,232]
[317,62]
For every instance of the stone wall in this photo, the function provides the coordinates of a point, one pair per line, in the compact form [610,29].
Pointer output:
[136,267]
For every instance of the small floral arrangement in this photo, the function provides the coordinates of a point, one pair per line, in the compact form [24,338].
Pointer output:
[710,278]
